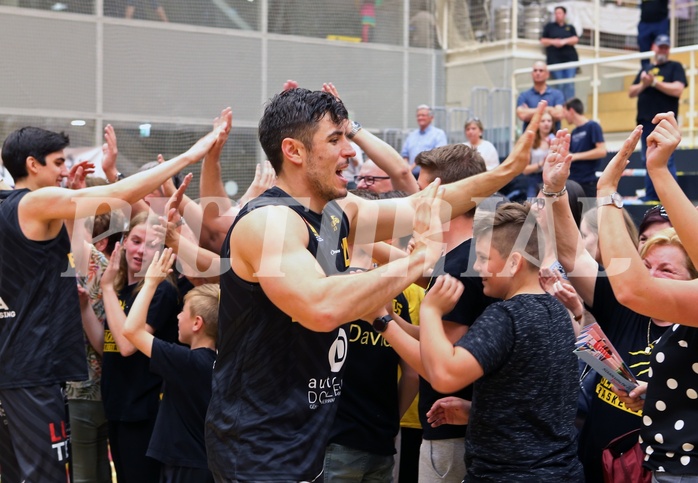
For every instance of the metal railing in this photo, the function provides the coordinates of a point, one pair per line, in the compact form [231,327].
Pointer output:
[618,68]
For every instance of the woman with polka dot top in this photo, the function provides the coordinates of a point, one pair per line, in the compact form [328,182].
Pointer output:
[669,434]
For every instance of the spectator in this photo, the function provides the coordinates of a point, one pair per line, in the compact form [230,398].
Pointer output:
[423,139]
[633,335]
[372,178]
[559,39]
[658,88]
[660,290]
[587,146]
[541,145]
[178,436]
[130,392]
[473,131]
[509,424]
[654,220]
[654,21]
[442,454]
[528,100]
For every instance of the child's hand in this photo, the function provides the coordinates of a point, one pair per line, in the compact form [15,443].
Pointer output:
[160,267]
[444,294]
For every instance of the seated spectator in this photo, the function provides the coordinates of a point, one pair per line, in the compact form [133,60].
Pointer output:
[473,131]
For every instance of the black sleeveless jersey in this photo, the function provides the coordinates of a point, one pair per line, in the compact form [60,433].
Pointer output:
[275,383]
[41,339]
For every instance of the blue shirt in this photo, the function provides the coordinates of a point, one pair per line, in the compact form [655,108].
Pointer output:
[585,138]
[532,97]
[418,141]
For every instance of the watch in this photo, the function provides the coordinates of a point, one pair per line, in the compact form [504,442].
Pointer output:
[381,323]
[355,127]
[614,199]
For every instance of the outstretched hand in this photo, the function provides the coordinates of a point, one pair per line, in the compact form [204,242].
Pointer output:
[78,173]
[289,84]
[172,205]
[264,178]
[520,156]
[608,182]
[160,267]
[556,167]
[221,128]
[109,153]
[330,89]
[112,270]
[662,141]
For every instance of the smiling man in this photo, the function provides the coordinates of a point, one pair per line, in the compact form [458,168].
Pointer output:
[281,347]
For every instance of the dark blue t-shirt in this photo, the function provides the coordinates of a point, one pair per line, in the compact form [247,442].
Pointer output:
[584,138]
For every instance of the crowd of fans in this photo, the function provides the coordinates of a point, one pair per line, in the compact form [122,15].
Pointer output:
[283,337]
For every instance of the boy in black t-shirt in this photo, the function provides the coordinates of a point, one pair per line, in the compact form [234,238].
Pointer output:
[178,437]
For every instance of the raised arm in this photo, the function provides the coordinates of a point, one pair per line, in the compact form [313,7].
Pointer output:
[47,204]
[634,287]
[136,328]
[383,219]
[580,266]
[681,211]
[116,318]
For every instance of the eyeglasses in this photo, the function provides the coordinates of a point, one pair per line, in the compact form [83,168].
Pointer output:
[369,180]
[659,209]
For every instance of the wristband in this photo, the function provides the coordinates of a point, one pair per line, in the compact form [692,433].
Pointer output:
[548,194]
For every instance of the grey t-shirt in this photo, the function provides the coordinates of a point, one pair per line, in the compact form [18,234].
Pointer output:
[521,424]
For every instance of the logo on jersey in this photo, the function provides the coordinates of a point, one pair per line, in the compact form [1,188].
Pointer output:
[326,390]
[335,222]
[5,312]
[338,351]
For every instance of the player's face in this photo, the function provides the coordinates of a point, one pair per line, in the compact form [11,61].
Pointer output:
[326,160]
[55,170]
[490,265]
[185,322]
[139,250]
